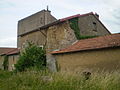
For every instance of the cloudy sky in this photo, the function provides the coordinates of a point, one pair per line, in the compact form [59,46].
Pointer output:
[13,10]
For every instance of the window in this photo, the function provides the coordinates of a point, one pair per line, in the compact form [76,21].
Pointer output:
[95,26]
[41,20]
[41,46]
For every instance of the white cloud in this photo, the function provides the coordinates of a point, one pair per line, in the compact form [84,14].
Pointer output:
[8,42]
[14,10]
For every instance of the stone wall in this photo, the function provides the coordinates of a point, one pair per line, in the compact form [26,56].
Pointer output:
[1,62]
[12,59]
[94,60]
[38,38]
[91,26]
[58,37]
[34,21]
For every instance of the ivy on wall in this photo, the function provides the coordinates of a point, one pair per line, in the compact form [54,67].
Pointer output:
[75,27]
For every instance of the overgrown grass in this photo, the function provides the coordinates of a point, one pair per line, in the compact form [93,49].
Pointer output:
[44,80]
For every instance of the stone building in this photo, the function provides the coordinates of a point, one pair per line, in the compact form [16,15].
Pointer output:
[58,34]
[43,29]
[31,24]
[3,52]
[96,54]
[12,58]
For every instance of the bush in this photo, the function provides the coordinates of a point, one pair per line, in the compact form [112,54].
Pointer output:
[32,56]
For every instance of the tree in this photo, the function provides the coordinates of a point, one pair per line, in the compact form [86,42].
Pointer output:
[32,56]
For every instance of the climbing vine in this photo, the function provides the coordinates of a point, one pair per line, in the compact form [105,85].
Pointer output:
[75,27]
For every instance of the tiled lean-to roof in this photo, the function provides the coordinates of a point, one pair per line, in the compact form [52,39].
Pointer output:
[5,49]
[107,41]
[13,52]
[9,51]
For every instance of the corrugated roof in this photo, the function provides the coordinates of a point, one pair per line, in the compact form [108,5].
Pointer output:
[112,40]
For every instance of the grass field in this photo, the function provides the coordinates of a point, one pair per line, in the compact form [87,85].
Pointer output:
[43,80]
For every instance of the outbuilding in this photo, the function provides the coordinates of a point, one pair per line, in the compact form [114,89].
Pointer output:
[100,53]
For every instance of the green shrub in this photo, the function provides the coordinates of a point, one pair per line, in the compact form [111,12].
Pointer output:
[32,56]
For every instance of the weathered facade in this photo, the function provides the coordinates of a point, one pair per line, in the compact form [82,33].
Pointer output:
[44,30]
[59,36]
[96,54]
[11,55]
[1,62]
[90,25]
[38,38]
[12,60]
[93,60]
[3,52]
[31,23]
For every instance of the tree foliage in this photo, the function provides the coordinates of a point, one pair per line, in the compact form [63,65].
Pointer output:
[32,56]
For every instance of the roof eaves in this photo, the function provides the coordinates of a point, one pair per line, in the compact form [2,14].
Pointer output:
[60,21]
[40,28]
[13,52]
[54,53]
[112,41]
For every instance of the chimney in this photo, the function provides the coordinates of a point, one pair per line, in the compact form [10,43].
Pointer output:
[97,15]
[48,9]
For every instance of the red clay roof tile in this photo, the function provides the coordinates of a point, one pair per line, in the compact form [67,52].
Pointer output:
[74,16]
[4,50]
[112,40]
[15,51]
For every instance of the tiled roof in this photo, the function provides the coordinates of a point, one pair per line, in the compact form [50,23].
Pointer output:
[62,20]
[112,40]
[4,50]
[10,51]
[15,51]
[74,16]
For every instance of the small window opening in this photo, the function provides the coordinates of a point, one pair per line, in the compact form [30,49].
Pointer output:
[41,20]
[95,26]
